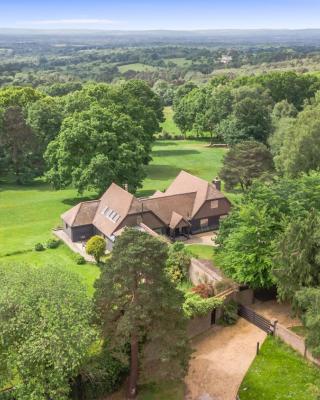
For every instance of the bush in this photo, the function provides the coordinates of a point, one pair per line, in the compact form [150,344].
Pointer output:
[178,263]
[197,306]
[96,247]
[80,260]
[102,375]
[53,243]
[230,313]
[205,290]
[39,247]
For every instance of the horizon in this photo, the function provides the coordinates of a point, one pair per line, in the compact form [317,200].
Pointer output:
[143,15]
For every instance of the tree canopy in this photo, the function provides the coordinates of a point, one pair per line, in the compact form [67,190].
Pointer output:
[245,162]
[44,328]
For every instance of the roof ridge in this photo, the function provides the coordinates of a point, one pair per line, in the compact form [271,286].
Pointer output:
[168,195]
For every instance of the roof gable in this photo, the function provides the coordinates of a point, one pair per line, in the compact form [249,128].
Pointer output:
[203,189]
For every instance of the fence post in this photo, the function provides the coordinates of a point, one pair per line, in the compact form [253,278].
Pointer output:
[258,348]
[275,322]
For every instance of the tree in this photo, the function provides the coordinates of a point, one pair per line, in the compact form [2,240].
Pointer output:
[96,247]
[248,237]
[245,162]
[106,136]
[139,305]
[19,154]
[95,148]
[307,300]
[165,91]
[44,328]
[19,145]
[250,118]
[297,260]
[296,142]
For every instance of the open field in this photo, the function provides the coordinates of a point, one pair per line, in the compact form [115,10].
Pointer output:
[138,67]
[28,213]
[169,125]
[278,372]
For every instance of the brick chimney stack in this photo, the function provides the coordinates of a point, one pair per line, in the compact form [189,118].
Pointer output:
[217,183]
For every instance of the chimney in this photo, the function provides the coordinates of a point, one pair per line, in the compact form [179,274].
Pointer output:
[217,183]
[126,187]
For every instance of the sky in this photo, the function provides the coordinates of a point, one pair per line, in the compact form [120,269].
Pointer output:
[160,14]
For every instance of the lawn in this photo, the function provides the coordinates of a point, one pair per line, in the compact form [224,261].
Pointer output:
[201,251]
[28,213]
[169,126]
[279,373]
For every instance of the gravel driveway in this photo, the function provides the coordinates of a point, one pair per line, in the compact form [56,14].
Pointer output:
[221,360]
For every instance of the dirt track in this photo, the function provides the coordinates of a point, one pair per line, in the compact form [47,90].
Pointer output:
[221,360]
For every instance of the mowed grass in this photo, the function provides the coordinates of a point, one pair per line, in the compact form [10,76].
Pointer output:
[279,373]
[28,213]
[169,125]
[170,157]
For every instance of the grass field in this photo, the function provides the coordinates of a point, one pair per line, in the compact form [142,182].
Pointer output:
[180,61]
[169,125]
[138,67]
[29,213]
[279,373]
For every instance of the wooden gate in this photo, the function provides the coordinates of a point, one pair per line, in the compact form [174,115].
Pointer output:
[256,319]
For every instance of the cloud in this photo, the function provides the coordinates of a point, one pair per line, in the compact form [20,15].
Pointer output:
[76,21]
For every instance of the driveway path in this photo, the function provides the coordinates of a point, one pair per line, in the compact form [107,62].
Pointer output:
[221,360]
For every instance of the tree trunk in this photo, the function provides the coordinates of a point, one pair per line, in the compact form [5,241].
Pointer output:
[133,378]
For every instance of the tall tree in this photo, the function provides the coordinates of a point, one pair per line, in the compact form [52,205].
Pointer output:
[44,328]
[297,261]
[245,162]
[296,142]
[250,118]
[139,305]
[95,148]
[19,146]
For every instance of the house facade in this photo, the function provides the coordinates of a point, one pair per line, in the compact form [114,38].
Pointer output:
[190,205]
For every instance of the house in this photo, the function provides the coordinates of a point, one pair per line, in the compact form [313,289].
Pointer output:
[190,205]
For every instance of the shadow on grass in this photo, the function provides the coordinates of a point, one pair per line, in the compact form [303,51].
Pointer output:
[165,143]
[174,153]
[75,200]
[162,172]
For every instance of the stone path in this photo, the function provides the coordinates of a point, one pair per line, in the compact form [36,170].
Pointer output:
[221,360]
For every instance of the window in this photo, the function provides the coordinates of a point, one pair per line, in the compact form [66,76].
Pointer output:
[204,222]
[214,204]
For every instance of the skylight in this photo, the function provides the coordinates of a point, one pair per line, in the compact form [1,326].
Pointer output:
[110,214]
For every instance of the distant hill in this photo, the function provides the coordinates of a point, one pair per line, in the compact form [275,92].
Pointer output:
[214,37]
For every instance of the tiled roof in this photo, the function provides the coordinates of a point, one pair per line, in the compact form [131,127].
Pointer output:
[179,203]
[204,190]
[81,214]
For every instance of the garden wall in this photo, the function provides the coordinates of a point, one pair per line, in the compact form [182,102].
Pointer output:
[295,341]
[201,271]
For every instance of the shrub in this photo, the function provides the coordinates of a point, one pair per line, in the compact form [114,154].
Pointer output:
[102,375]
[39,247]
[230,313]
[80,260]
[197,306]
[53,243]
[96,247]
[204,290]
[178,263]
